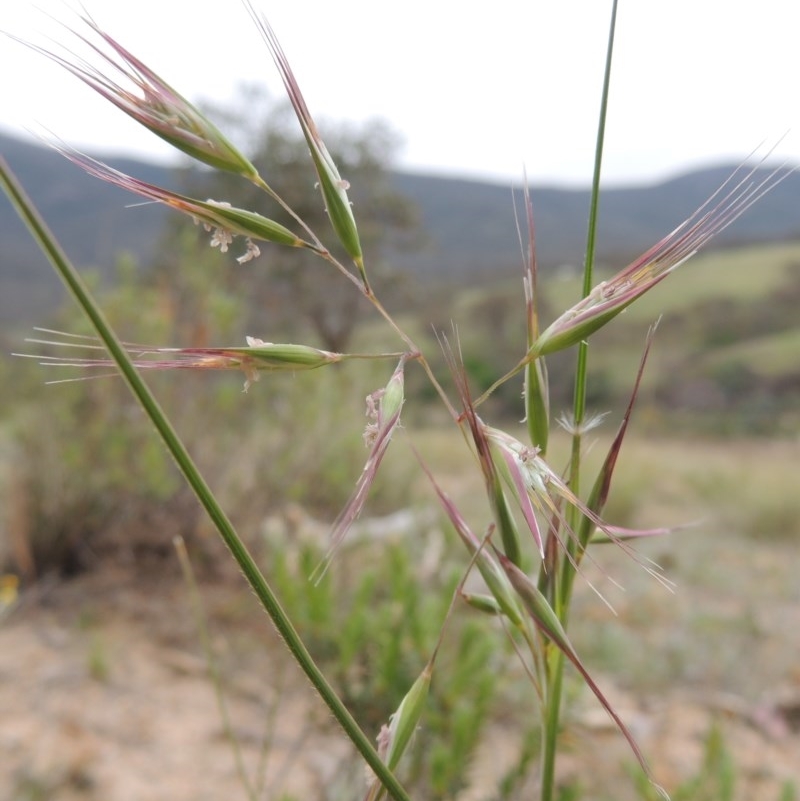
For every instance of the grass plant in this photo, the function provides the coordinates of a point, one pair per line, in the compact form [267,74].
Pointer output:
[540,526]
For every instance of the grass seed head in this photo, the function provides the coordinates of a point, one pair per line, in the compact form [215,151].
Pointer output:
[495,579]
[510,458]
[331,184]
[218,217]
[405,720]
[256,358]
[152,102]
[537,403]
[609,298]
[383,415]
[483,603]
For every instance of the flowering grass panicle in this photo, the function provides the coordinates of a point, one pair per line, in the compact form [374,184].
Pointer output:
[331,184]
[153,102]
[383,413]
[609,298]
[527,581]
[256,358]
[393,740]
[216,216]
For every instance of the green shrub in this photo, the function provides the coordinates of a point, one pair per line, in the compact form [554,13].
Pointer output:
[93,480]
[371,626]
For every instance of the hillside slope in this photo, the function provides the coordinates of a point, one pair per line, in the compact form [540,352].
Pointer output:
[469,226]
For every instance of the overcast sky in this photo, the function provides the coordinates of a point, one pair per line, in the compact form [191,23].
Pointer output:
[475,89]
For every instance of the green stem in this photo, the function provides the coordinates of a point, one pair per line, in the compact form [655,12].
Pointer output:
[252,574]
[551,724]
[563,594]
[579,398]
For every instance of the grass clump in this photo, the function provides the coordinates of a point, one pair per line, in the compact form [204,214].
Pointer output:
[72,517]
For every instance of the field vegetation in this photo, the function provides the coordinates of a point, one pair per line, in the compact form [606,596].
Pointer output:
[681,651]
[718,645]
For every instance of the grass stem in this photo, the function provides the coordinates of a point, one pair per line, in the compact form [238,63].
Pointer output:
[555,678]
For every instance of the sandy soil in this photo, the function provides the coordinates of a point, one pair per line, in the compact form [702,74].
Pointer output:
[106,695]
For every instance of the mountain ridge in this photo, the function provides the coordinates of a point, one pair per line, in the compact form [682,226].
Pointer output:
[469,225]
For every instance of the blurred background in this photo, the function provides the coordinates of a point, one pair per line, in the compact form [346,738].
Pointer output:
[97,624]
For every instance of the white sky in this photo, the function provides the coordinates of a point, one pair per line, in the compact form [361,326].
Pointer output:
[475,89]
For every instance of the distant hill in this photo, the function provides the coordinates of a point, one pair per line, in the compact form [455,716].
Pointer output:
[469,225]
[90,218]
[472,228]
